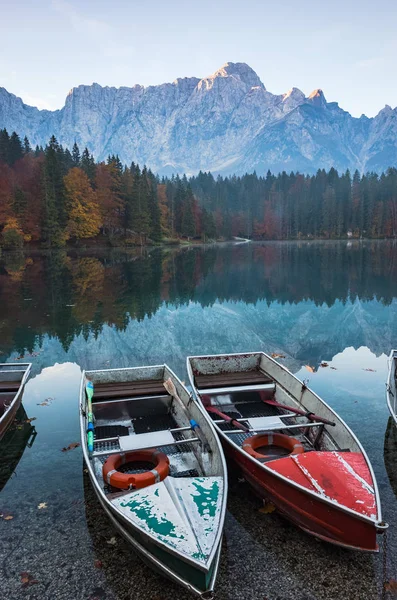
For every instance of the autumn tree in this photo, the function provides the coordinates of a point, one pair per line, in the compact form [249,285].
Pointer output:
[84,218]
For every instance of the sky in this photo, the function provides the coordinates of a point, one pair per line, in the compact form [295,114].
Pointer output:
[347,48]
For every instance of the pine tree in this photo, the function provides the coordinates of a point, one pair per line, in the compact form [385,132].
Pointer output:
[26,146]
[76,155]
[188,224]
[15,149]
[87,163]
[154,209]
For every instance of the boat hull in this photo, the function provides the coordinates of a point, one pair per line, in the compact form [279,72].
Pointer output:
[321,519]
[9,416]
[196,581]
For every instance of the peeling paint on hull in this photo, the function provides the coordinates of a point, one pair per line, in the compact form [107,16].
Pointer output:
[319,518]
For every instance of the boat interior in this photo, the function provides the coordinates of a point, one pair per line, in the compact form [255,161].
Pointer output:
[141,414]
[10,381]
[242,396]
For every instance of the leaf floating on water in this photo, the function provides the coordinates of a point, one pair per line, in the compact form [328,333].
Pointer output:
[42,505]
[391,586]
[276,355]
[267,508]
[71,447]
[8,518]
[30,420]
[309,368]
[27,579]
[334,368]
[372,370]
[46,402]
[112,541]
[323,364]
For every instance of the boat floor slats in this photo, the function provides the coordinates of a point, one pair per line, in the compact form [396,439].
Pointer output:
[109,431]
[231,379]
[128,389]
[153,422]
[249,410]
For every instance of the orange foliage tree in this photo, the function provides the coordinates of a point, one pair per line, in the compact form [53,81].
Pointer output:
[84,218]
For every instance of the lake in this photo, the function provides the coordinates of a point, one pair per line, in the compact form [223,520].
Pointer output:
[85,309]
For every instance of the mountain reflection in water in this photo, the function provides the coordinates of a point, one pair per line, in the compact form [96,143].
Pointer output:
[290,296]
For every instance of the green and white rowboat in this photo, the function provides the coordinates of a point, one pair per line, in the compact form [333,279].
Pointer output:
[176,521]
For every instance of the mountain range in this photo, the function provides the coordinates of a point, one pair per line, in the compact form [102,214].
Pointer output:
[225,123]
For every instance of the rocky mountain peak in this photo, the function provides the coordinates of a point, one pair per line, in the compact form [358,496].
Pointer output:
[225,123]
[317,97]
[239,71]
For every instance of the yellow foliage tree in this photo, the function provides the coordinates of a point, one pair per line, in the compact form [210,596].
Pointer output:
[84,218]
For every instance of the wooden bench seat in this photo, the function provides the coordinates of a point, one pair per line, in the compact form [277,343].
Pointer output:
[9,386]
[223,380]
[127,389]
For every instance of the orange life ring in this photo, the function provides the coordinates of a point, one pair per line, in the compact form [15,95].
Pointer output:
[271,439]
[125,481]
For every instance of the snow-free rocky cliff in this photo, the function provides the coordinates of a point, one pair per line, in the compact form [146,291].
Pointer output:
[225,123]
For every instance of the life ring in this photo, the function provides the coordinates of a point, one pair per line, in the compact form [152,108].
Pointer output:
[125,481]
[271,439]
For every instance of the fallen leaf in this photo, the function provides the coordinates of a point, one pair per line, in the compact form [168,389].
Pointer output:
[372,370]
[309,368]
[276,355]
[267,508]
[27,579]
[98,564]
[71,447]
[6,516]
[112,541]
[391,586]
[334,368]
[42,505]
[324,364]
[30,420]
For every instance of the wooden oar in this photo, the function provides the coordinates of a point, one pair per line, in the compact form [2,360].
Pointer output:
[171,389]
[297,411]
[89,390]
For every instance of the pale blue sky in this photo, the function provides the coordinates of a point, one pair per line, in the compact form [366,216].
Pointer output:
[346,47]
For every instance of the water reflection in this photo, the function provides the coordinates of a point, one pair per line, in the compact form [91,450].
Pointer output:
[62,295]
[20,434]
[390,454]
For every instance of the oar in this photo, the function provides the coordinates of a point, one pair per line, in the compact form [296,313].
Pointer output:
[226,418]
[89,390]
[171,389]
[297,411]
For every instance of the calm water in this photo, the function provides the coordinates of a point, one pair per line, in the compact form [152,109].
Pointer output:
[63,311]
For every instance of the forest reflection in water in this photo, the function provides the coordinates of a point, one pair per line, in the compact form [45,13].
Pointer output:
[66,293]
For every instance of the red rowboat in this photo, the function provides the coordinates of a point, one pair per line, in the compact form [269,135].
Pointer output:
[291,447]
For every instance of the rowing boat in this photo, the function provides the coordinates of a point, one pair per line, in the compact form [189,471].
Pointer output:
[13,377]
[391,386]
[291,446]
[158,470]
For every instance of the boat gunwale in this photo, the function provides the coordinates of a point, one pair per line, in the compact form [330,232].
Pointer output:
[202,566]
[16,398]
[390,386]
[330,502]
